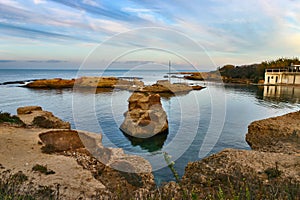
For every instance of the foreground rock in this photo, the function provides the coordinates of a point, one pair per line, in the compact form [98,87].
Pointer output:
[77,165]
[233,171]
[111,166]
[278,134]
[271,171]
[145,116]
[37,117]
[20,151]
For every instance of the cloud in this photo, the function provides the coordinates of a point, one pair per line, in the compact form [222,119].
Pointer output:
[46,61]
[39,1]
[31,33]
[11,3]
[91,3]
[105,12]
[7,61]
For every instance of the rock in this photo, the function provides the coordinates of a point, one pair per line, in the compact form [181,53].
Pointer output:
[35,116]
[164,86]
[86,82]
[61,140]
[20,151]
[232,167]
[56,83]
[278,134]
[111,166]
[145,117]
[28,109]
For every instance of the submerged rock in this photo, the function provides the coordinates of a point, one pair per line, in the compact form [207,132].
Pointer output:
[36,116]
[145,116]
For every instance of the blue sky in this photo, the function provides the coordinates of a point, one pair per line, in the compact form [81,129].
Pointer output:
[63,33]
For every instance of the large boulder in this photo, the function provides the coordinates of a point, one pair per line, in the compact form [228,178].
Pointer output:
[145,116]
[278,134]
[111,166]
[37,117]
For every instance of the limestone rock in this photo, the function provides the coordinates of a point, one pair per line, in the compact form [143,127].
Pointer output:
[61,140]
[35,116]
[145,117]
[56,83]
[86,82]
[278,134]
[164,86]
[112,166]
[239,165]
[28,109]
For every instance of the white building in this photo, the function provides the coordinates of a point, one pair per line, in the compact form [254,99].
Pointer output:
[289,75]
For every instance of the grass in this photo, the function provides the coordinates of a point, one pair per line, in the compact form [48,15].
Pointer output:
[7,117]
[273,172]
[17,186]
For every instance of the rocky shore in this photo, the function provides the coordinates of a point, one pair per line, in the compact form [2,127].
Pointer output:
[78,166]
[70,164]
[162,86]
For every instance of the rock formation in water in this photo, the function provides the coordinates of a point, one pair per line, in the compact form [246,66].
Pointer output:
[145,116]
[56,83]
[86,82]
[277,134]
[37,117]
[164,86]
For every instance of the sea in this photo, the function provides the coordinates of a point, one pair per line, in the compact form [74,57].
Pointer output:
[201,123]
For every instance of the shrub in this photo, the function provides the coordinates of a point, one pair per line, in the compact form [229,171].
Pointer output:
[7,117]
[42,169]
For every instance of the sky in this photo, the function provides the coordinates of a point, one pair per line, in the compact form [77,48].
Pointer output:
[69,34]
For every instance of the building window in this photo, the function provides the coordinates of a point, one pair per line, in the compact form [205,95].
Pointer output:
[276,79]
[272,77]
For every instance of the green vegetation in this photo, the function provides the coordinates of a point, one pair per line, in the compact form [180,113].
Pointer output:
[18,187]
[255,72]
[42,122]
[48,149]
[273,172]
[42,169]
[7,117]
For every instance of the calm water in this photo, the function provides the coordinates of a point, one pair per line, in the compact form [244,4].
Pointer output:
[215,117]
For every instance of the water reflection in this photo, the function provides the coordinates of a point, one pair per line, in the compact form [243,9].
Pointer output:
[290,94]
[152,144]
